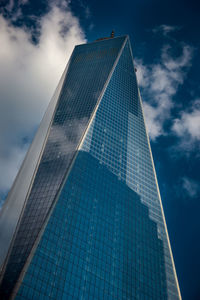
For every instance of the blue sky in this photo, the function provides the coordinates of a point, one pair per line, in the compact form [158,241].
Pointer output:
[37,38]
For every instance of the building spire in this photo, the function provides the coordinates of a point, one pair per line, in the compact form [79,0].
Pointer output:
[112,34]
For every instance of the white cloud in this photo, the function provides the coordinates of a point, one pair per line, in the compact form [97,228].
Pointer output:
[152,120]
[143,73]
[182,61]
[160,83]
[165,29]
[190,186]
[187,126]
[29,75]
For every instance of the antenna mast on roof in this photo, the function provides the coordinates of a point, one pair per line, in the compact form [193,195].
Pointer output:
[112,34]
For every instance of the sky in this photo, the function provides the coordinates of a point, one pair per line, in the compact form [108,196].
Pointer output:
[36,41]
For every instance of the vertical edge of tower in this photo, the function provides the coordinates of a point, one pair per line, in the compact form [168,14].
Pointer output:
[163,215]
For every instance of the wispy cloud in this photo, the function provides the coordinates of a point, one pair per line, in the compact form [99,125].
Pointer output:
[13,9]
[159,83]
[190,186]
[187,127]
[165,29]
[29,75]
[85,9]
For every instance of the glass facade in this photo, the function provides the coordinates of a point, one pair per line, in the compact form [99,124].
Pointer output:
[93,225]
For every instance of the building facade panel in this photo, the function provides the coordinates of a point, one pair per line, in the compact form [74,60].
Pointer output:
[103,230]
[89,68]
[118,138]
[99,242]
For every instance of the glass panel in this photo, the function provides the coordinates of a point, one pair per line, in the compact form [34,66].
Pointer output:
[88,71]
[105,238]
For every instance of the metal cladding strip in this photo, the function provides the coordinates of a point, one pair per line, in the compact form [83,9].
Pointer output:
[27,158]
[165,225]
[23,272]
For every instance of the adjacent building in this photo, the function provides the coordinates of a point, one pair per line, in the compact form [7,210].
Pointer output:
[84,218]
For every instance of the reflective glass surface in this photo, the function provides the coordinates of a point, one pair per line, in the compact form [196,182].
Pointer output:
[88,71]
[105,237]
[99,242]
[118,138]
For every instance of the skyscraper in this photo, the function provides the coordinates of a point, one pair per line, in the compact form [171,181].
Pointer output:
[84,219]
